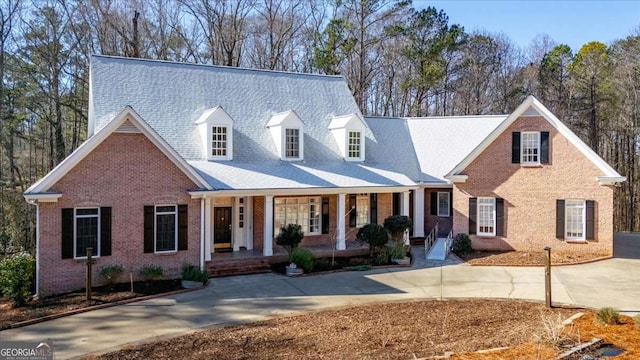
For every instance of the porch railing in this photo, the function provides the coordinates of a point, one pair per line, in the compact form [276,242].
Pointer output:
[430,240]
[448,244]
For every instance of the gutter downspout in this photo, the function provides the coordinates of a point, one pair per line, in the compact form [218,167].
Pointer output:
[202,202]
[35,202]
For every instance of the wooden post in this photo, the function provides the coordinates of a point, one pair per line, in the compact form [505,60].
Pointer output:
[547,277]
[89,272]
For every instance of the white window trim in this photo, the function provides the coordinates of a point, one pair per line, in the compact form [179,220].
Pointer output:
[522,148]
[229,142]
[478,232]
[584,221]
[448,207]
[155,228]
[96,254]
[360,145]
[284,144]
[306,198]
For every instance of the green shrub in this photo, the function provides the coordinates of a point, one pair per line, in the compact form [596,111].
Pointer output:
[382,258]
[374,235]
[111,273]
[608,316]
[322,264]
[16,275]
[397,225]
[462,245]
[152,272]
[194,273]
[303,258]
[398,251]
[290,237]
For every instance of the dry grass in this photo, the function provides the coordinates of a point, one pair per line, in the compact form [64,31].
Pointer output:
[529,258]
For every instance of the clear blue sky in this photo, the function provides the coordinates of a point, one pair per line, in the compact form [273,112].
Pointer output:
[574,23]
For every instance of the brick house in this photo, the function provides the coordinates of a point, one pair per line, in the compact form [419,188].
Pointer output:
[183,161]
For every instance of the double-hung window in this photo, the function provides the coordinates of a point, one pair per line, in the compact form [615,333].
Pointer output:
[292,143]
[218,141]
[443,204]
[303,211]
[355,138]
[87,231]
[362,210]
[487,216]
[166,228]
[530,147]
[574,219]
[83,228]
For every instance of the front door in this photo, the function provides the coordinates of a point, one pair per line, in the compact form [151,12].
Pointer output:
[222,228]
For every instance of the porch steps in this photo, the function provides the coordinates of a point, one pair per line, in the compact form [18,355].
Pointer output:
[437,251]
[238,267]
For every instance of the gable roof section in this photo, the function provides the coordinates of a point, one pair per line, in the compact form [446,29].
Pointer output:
[609,177]
[39,190]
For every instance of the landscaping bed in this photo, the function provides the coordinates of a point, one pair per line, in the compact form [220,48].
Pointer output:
[59,304]
[395,330]
[529,258]
[352,263]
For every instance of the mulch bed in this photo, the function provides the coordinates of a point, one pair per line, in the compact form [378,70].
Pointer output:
[77,300]
[529,258]
[396,330]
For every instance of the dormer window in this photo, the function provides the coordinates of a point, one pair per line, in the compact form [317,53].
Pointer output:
[287,131]
[349,130]
[216,131]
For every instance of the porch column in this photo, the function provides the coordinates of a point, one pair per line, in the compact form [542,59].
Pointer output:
[340,223]
[405,211]
[208,249]
[418,212]
[267,245]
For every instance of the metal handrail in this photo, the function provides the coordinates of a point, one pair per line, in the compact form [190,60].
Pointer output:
[430,240]
[448,243]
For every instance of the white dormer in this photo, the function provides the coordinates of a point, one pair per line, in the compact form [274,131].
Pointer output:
[349,131]
[288,134]
[216,132]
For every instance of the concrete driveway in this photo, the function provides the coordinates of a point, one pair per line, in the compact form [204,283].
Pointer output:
[256,297]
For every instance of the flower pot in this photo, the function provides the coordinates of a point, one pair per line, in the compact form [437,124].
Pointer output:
[190,284]
[292,270]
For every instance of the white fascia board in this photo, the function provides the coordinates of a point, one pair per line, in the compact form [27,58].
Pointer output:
[457,178]
[44,184]
[610,180]
[196,194]
[42,197]
[438,185]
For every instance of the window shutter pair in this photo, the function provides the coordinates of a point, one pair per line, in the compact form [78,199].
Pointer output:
[544,147]
[149,233]
[67,232]
[590,213]
[433,204]
[473,216]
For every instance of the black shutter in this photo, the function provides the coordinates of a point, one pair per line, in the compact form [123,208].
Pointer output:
[473,210]
[591,212]
[434,203]
[544,147]
[560,219]
[67,233]
[373,208]
[352,210]
[105,231]
[149,213]
[499,217]
[451,204]
[325,215]
[515,147]
[396,204]
[183,227]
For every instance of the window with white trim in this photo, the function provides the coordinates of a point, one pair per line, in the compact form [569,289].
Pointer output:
[86,231]
[355,138]
[166,228]
[443,204]
[487,216]
[574,211]
[530,148]
[362,210]
[303,211]
[218,141]
[292,143]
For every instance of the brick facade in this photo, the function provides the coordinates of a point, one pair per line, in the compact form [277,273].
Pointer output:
[530,193]
[125,172]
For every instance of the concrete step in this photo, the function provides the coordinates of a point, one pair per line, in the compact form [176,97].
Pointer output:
[238,267]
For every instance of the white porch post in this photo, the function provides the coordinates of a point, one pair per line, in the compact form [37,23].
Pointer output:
[418,212]
[340,223]
[236,233]
[208,249]
[267,246]
[405,211]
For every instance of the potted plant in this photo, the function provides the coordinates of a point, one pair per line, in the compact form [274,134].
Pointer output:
[398,254]
[193,277]
[397,225]
[289,238]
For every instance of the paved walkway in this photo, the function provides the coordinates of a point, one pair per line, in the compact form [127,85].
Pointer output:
[257,297]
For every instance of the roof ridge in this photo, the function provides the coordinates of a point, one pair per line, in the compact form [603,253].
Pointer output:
[232,68]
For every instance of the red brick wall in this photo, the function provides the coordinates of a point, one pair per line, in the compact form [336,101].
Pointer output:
[530,193]
[125,172]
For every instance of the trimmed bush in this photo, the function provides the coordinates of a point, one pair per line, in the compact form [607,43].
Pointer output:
[111,273]
[608,316]
[194,273]
[290,237]
[16,275]
[152,272]
[398,251]
[374,235]
[397,225]
[303,258]
[462,244]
